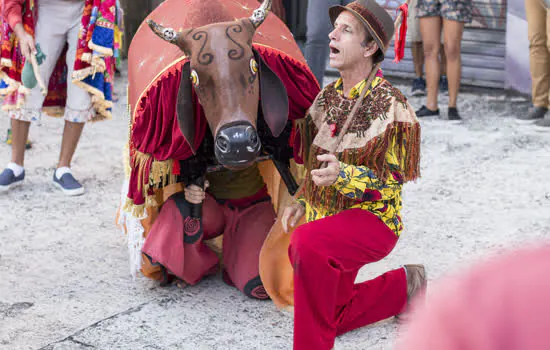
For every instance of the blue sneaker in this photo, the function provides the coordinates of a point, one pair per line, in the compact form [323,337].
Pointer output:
[419,87]
[68,184]
[444,84]
[9,180]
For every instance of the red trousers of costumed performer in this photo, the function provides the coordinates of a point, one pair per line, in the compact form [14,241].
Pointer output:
[244,224]
[326,255]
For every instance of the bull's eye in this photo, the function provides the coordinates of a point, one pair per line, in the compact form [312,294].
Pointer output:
[194,78]
[253,66]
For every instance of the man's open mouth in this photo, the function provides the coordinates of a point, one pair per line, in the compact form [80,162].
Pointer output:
[334,50]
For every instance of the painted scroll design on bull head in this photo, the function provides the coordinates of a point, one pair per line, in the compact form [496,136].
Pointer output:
[204,58]
[235,54]
[230,79]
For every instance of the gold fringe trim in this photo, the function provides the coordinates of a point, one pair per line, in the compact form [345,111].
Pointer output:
[6,62]
[101,49]
[151,202]
[139,163]
[98,97]
[97,63]
[82,74]
[161,173]
[155,80]
[100,102]
[159,176]
[137,211]
[126,160]
[86,72]
[55,112]
[86,57]
[13,85]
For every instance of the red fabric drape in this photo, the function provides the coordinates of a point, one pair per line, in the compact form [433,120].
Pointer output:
[155,129]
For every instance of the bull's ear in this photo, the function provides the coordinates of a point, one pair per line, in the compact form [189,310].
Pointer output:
[273,96]
[185,108]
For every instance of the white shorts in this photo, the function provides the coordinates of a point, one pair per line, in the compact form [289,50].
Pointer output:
[58,24]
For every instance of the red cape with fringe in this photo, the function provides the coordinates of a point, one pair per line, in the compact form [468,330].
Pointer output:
[154,70]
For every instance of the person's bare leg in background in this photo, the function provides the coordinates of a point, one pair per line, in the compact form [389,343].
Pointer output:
[453,37]
[71,135]
[430,27]
[20,133]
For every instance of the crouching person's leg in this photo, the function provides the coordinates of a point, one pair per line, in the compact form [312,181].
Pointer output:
[178,247]
[327,255]
[241,248]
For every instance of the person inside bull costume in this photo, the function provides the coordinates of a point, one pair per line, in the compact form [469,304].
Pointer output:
[360,142]
[221,95]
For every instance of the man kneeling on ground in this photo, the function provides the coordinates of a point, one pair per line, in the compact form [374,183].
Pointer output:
[352,205]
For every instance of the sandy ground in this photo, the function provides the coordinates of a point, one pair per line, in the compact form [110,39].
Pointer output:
[64,280]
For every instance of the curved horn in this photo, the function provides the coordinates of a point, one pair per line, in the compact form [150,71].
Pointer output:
[167,34]
[259,15]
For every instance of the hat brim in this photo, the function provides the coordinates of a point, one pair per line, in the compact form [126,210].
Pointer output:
[335,11]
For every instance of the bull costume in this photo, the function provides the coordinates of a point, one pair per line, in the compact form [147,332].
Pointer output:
[352,206]
[75,48]
[203,110]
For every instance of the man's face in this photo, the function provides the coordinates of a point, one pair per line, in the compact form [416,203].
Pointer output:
[346,41]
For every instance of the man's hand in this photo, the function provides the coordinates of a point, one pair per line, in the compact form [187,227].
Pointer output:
[292,215]
[194,194]
[26,41]
[326,176]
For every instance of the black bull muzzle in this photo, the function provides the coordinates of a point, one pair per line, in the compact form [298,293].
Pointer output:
[237,144]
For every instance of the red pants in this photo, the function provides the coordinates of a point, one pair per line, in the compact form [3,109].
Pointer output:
[327,255]
[244,223]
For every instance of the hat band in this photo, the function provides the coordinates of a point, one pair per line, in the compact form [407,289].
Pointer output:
[373,22]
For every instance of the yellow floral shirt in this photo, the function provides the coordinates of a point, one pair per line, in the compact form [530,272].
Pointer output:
[381,198]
